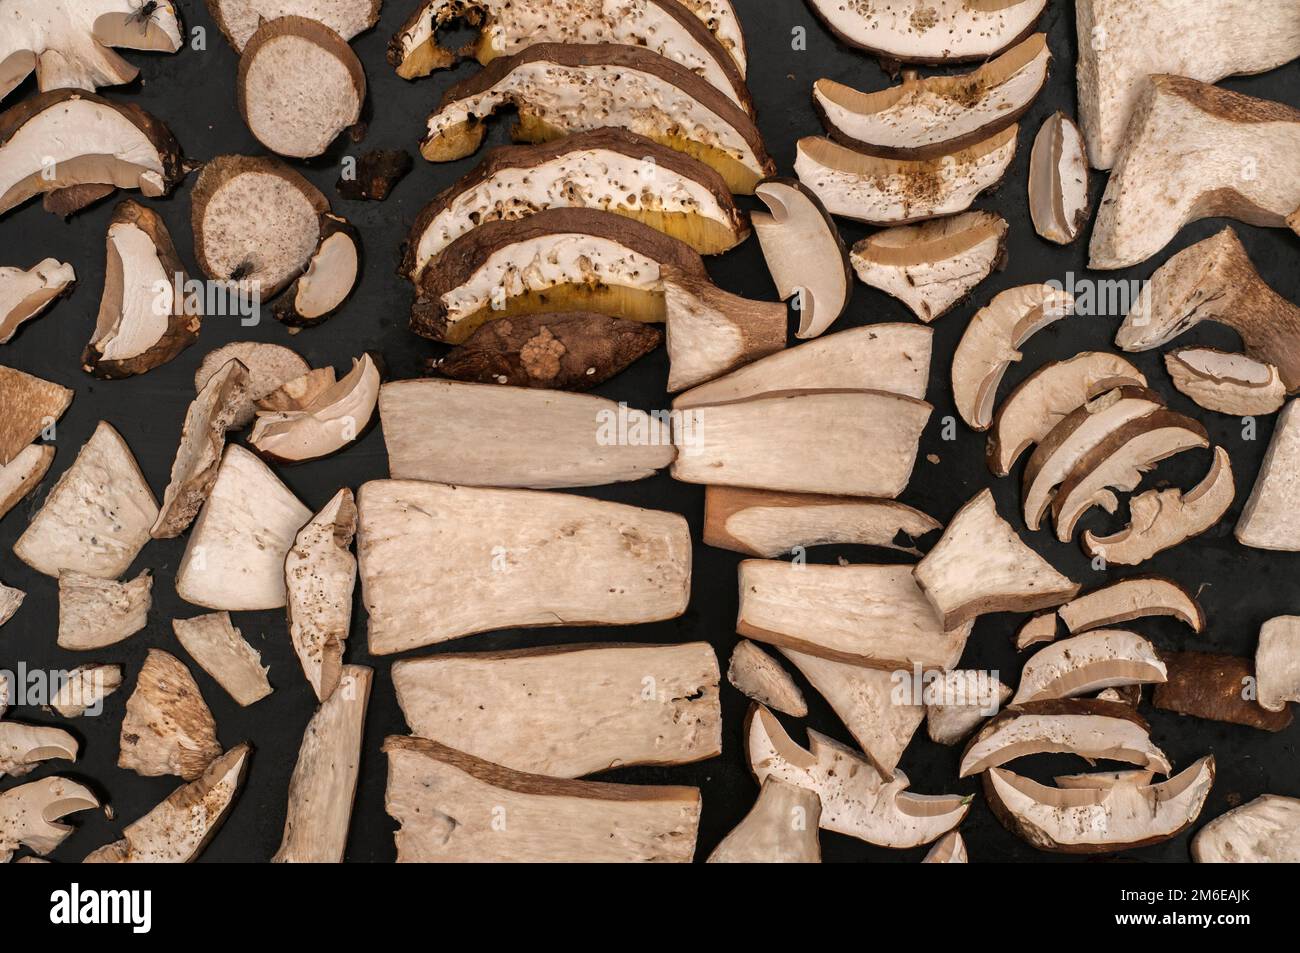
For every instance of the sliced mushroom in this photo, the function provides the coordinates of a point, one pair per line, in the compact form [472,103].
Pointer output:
[1277,662]
[756,675]
[1227,383]
[1130,695]
[931,266]
[961,700]
[1266,830]
[31,406]
[1038,628]
[571,710]
[930,31]
[1193,151]
[167,728]
[1083,664]
[709,332]
[239,19]
[23,473]
[329,280]
[222,652]
[1105,780]
[334,420]
[30,814]
[24,294]
[376,174]
[10,601]
[781,828]
[95,613]
[23,747]
[299,393]
[320,574]
[453,807]
[1058,180]
[1271,518]
[948,849]
[270,367]
[1217,688]
[1137,597]
[85,688]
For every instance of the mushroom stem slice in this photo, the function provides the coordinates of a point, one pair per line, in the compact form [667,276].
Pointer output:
[1137,597]
[930,31]
[1058,180]
[330,278]
[1232,384]
[1215,687]
[959,701]
[31,406]
[758,676]
[30,814]
[23,474]
[1102,658]
[1038,628]
[24,747]
[221,651]
[709,332]
[85,688]
[1270,519]
[239,19]
[1266,830]
[25,294]
[94,613]
[781,828]
[320,574]
[167,728]
[335,419]
[1277,662]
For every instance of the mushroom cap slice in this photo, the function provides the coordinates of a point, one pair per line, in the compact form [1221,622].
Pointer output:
[320,574]
[781,828]
[930,31]
[1266,830]
[299,393]
[1270,519]
[1277,662]
[30,814]
[1036,629]
[708,331]
[270,367]
[24,294]
[239,19]
[221,651]
[758,676]
[167,728]
[23,473]
[335,419]
[23,747]
[948,849]
[1105,780]
[85,688]
[31,405]
[958,701]
[1214,687]
[94,613]
[1102,658]
[11,601]
[1136,597]
[1058,180]
[330,278]
[1227,383]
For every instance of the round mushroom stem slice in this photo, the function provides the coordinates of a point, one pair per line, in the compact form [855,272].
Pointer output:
[329,280]
[930,31]
[1104,658]
[337,418]
[1137,597]
[239,19]
[24,294]
[1267,830]
[1058,180]
[1226,383]
[948,849]
[30,814]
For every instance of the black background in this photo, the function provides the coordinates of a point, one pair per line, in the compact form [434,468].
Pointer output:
[193,92]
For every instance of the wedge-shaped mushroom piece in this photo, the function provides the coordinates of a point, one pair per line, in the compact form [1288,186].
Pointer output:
[1058,180]
[167,728]
[1217,688]
[235,556]
[560,88]
[1083,664]
[94,612]
[96,518]
[21,475]
[1265,831]
[804,253]
[1044,398]
[756,675]
[1098,820]
[1038,628]
[864,442]
[781,828]
[75,148]
[270,367]
[980,565]
[1271,519]
[1160,519]
[1277,662]
[490,435]
[1091,729]
[177,830]
[864,615]
[239,19]
[453,807]
[709,332]
[30,814]
[762,523]
[222,652]
[24,294]
[31,405]
[320,574]
[1193,151]
[324,782]
[957,702]
[336,418]
[855,799]
[1227,383]
[948,849]
[924,117]
[567,711]
[507,558]
[991,341]
[933,265]
[329,280]
[23,747]
[1134,598]
[85,688]
[301,392]
[10,601]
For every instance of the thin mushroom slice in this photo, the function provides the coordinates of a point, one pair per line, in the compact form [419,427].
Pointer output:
[758,676]
[335,419]
[320,574]
[30,814]
[1226,383]
[84,689]
[1038,628]
[957,702]
[1215,687]
[95,613]
[949,849]
[25,293]
[1058,180]
[1277,662]
[300,392]
[10,601]
[1082,664]
[330,278]
[1105,780]
[1265,830]
[939,31]
[31,406]
[24,747]
[1271,517]
[1137,597]
[781,828]
[167,728]
[21,475]
[221,651]
[239,19]
[270,367]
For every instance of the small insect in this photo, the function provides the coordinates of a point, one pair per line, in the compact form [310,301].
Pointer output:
[242,270]
[144,14]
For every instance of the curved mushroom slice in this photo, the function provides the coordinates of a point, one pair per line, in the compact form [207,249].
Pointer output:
[84,690]
[23,473]
[1227,383]
[239,19]
[921,118]
[855,799]
[10,601]
[781,828]
[949,849]
[1104,780]
[1058,180]
[320,574]
[1214,687]
[561,88]
[299,393]
[958,701]
[1270,519]
[933,265]
[1103,658]
[30,814]
[1193,151]
[930,31]
[756,675]
[94,613]
[31,405]
[447,804]
[709,332]
[1161,519]
[221,651]
[336,418]
[804,253]
[53,143]
[167,728]
[1091,729]
[1277,662]
[980,565]
[1137,597]
[881,191]
[1039,628]
[270,367]
[329,280]
[1044,398]
[177,830]
[989,345]
[23,747]
[1266,830]
[1098,820]
[25,294]
[1119,461]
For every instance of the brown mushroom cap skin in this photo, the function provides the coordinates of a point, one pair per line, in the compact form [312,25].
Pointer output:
[30,404]
[1208,685]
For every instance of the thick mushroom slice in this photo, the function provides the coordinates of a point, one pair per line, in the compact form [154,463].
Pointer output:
[1277,662]
[864,615]
[930,31]
[75,148]
[270,367]
[568,711]
[925,117]
[882,191]
[1137,597]
[560,88]
[24,294]
[804,253]
[1101,819]
[324,782]
[239,19]
[756,675]
[23,747]
[1215,687]
[1083,664]
[1264,831]
[23,473]
[320,574]
[336,418]
[1271,518]
[31,406]
[235,556]
[167,728]
[990,345]
[1038,628]
[1226,383]
[980,565]
[855,799]
[1161,519]
[1193,151]
[507,558]
[491,435]
[96,518]
[781,828]
[948,849]
[958,701]
[222,652]
[30,814]
[85,688]
[177,830]
[933,265]
[94,613]
[10,601]
[329,280]
[453,807]
[1058,180]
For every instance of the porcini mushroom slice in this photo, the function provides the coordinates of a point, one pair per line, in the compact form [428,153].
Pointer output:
[177,830]
[855,799]
[490,435]
[864,615]
[320,574]
[85,688]
[222,652]
[709,332]
[508,558]
[1183,161]
[1038,628]
[30,814]
[23,747]
[1104,780]
[1266,830]
[1137,597]
[1217,688]
[324,782]
[924,117]
[756,675]
[1058,180]
[930,31]
[948,849]
[31,406]
[957,701]
[24,294]
[1160,519]
[1271,519]
[980,565]
[94,613]
[235,556]
[1277,662]
[301,392]
[376,174]
[804,253]
[239,19]
[23,473]
[781,828]
[932,265]
[447,805]
[560,88]
[1083,664]
[567,711]
[54,142]
[167,728]
[991,341]
[1227,383]
[10,601]
[1098,820]
[331,276]
[336,418]
[270,367]
[96,518]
